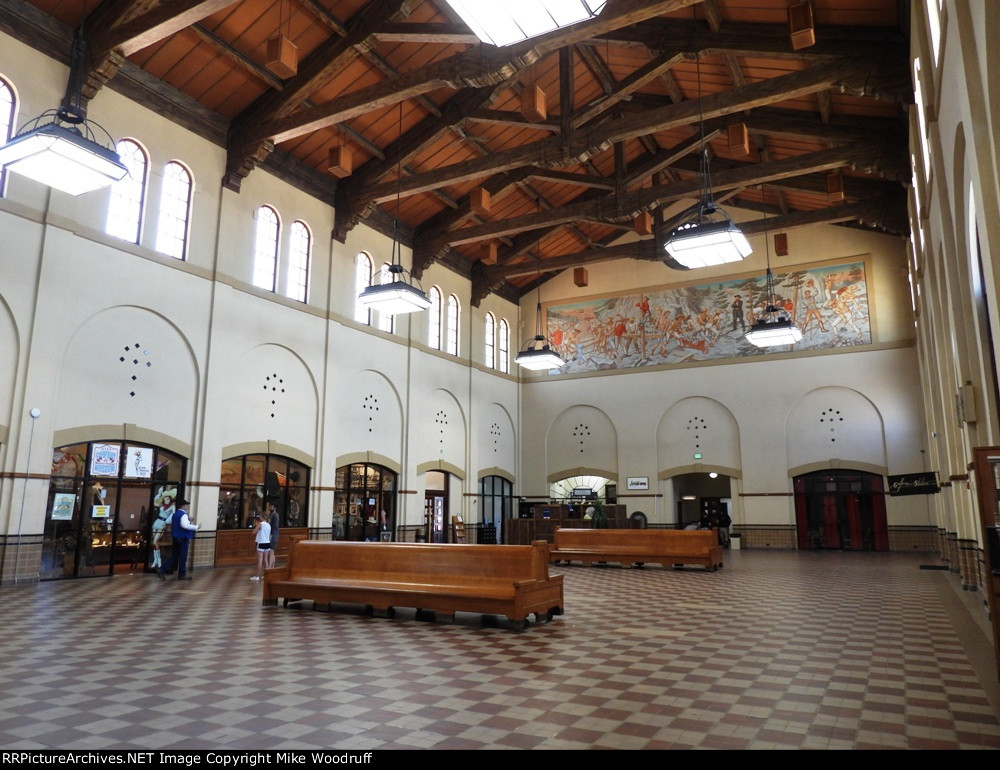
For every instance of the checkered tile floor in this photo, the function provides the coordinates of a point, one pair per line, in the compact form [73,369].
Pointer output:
[779,650]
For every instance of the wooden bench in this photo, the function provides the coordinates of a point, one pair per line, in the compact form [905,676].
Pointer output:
[443,578]
[667,547]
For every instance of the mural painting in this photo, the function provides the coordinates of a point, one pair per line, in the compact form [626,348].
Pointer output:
[708,321]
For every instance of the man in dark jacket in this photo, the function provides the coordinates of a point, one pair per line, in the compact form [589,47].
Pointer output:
[182,531]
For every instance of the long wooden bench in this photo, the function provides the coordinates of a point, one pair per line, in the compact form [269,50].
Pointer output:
[667,547]
[443,578]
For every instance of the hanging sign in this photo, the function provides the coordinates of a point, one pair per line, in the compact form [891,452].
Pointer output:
[914,484]
[62,506]
[138,462]
[104,459]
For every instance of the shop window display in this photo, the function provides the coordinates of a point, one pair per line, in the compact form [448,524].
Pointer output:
[252,484]
[365,503]
[106,504]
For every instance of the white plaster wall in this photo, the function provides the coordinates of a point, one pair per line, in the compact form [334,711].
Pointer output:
[759,395]
[494,437]
[827,421]
[697,425]
[582,436]
[368,415]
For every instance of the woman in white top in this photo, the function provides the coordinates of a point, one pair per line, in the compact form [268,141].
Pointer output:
[262,537]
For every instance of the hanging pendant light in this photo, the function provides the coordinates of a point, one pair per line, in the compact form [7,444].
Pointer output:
[536,355]
[774,327]
[399,295]
[59,148]
[706,235]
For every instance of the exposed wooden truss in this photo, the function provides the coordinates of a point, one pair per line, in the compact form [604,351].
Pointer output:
[635,97]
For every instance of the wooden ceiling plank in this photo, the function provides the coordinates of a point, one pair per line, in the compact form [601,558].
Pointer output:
[649,166]
[650,249]
[495,186]
[243,151]
[583,180]
[508,118]
[349,209]
[324,16]
[597,67]
[757,40]
[153,26]
[626,205]
[322,64]
[790,124]
[627,87]
[426,32]
[458,71]
[237,57]
[549,152]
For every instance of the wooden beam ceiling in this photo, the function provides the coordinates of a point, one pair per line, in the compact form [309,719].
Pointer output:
[623,136]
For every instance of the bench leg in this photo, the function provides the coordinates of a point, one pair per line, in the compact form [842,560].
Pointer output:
[517,625]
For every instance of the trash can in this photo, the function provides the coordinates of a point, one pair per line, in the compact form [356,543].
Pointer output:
[734,541]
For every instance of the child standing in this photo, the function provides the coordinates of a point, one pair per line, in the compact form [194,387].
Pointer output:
[262,537]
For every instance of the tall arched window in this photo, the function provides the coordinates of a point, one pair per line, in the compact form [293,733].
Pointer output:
[265,256]
[386,321]
[489,341]
[175,210]
[363,279]
[454,312]
[503,346]
[434,318]
[128,195]
[7,112]
[298,261]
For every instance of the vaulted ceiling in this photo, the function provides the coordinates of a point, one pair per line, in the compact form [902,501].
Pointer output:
[511,163]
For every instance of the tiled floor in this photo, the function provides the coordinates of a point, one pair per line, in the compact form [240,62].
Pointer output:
[779,650]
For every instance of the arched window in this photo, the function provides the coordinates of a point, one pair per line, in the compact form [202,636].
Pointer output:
[489,341]
[265,257]
[363,279]
[386,321]
[434,318]
[128,195]
[175,210]
[453,314]
[7,112]
[298,261]
[503,346]
[254,483]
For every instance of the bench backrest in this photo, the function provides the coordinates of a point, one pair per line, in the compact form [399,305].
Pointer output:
[688,539]
[317,558]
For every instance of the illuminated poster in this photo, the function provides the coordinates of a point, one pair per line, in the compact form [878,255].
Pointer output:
[138,462]
[708,321]
[104,460]
[62,506]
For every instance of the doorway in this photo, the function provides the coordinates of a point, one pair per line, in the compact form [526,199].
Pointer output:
[436,506]
[841,510]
